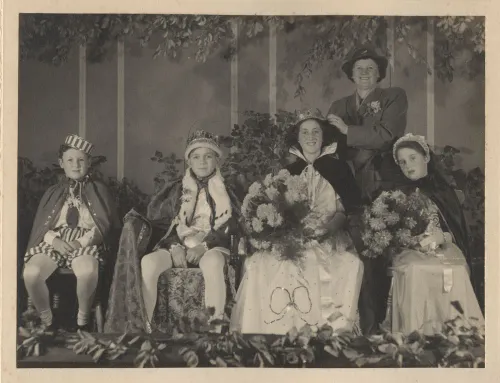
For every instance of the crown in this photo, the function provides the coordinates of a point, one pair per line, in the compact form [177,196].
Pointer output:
[308,114]
[411,137]
[202,139]
[201,135]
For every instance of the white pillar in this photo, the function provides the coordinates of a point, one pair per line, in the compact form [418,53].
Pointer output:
[234,76]
[430,81]
[272,69]
[82,91]
[120,148]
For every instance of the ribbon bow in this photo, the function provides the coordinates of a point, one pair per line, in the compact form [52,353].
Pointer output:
[290,304]
[309,173]
[75,191]
[202,184]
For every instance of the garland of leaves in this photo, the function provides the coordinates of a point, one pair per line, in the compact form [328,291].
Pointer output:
[50,38]
[459,344]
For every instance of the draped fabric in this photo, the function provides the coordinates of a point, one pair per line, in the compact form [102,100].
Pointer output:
[181,293]
[424,288]
[126,310]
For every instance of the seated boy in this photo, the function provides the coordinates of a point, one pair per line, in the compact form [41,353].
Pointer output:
[199,212]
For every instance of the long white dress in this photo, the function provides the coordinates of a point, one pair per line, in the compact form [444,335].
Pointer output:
[276,295]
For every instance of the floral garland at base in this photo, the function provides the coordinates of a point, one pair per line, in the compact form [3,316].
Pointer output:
[459,344]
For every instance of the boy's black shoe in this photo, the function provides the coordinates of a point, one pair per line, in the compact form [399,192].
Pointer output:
[51,331]
[86,327]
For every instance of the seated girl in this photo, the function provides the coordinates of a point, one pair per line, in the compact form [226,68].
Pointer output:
[425,285]
[275,294]
[71,230]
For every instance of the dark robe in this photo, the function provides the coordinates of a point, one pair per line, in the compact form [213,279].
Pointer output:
[165,206]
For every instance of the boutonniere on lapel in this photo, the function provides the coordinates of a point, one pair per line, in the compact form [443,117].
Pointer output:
[372,108]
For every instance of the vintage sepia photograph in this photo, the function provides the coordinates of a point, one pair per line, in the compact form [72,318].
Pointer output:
[208,190]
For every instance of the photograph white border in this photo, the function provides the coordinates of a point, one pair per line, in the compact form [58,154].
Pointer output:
[8,166]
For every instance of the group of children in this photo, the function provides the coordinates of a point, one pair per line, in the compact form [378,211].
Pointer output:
[76,216]
[198,212]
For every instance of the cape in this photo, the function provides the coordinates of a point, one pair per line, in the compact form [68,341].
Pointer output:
[452,218]
[96,196]
[165,205]
[339,175]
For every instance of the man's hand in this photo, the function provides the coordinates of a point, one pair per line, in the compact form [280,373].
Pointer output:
[338,122]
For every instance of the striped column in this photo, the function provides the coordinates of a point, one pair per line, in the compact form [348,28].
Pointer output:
[430,82]
[82,91]
[234,76]
[120,147]
[272,69]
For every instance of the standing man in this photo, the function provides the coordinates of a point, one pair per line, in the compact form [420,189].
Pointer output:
[370,120]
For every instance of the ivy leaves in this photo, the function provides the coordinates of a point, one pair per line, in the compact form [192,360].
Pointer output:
[50,38]
[460,343]
[258,147]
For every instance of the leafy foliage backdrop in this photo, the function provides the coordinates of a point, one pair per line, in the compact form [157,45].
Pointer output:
[50,38]
[460,343]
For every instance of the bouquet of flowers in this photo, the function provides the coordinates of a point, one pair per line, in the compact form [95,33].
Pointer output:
[395,221]
[278,217]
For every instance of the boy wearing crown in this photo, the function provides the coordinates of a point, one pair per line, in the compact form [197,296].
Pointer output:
[198,214]
[72,230]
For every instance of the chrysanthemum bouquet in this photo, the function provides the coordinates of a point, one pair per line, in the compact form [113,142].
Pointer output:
[395,221]
[277,215]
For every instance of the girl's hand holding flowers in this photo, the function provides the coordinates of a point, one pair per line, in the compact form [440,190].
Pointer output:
[432,241]
[314,227]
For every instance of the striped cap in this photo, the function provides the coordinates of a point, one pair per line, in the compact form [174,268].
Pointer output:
[76,142]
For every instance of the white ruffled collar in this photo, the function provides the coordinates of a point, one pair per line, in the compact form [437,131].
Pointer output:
[327,150]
